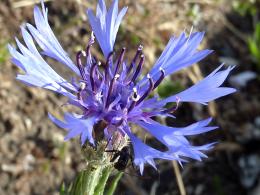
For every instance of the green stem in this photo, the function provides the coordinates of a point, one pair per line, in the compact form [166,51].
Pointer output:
[93,179]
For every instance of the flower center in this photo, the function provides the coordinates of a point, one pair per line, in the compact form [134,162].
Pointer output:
[111,88]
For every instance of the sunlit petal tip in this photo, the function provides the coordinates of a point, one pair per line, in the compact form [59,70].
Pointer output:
[105,24]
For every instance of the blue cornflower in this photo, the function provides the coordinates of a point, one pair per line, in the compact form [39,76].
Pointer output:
[112,92]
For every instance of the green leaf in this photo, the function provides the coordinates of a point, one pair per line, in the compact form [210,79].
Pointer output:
[79,187]
[99,190]
[112,188]
[257,34]
[63,190]
[93,179]
[253,48]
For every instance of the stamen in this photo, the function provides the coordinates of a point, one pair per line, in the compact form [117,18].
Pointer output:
[109,59]
[138,52]
[120,59]
[160,78]
[110,90]
[99,74]
[135,98]
[90,43]
[174,108]
[92,38]
[119,123]
[84,53]
[80,66]
[91,75]
[138,69]
[82,86]
[148,90]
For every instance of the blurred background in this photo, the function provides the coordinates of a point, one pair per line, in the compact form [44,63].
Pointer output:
[34,159]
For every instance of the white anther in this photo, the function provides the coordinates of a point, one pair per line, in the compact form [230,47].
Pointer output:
[84,53]
[135,99]
[92,35]
[117,76]
[99,63]
[99,96]
[148,76]
[162,70]
[140,47]
[82,86]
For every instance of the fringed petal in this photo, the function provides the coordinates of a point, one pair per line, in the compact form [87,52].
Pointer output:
[146,154]
[174,138]
[180,52]
[205,90]
[46,39]
[37,71]
[106,24]
[76,125]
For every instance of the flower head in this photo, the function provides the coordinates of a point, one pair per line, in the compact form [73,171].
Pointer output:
[115,92]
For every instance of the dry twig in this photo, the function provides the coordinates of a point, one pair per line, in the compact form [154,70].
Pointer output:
[179,178]
[177,172]
[24,3]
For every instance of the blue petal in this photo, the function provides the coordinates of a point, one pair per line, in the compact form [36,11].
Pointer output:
[194,152]
[205,90]
[43,82]
[106,24]
[174,139]
[46,39]
[164,132]
[179,53]
[38,72]
[146,154]
[76,126]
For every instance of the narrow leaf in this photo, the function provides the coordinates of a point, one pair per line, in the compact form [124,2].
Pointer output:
[111,189]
